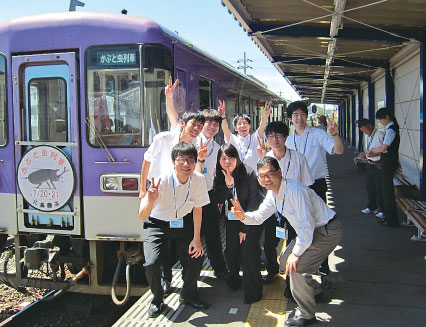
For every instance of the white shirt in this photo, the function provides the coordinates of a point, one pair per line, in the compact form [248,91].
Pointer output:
[209,167]
[389,135]
[247,148]
[314,143]
[159,153]
[373,141]
[303,208]
[294,166]
[174,196]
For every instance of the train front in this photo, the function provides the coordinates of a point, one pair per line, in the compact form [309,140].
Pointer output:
[81,96]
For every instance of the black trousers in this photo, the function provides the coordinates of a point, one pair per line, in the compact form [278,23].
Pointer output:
[157,233]
[246,254]
[387,170]
[373,185]
[211,232]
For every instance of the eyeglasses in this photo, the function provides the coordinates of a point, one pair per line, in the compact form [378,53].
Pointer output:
[274,136]
[268,175]
[181,160]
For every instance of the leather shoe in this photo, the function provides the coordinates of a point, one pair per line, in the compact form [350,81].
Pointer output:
[155,309]
[269,278]
[167,289]
[387,224]
[195,302]
[300,321]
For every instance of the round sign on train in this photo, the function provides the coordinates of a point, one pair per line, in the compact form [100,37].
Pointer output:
[45,178]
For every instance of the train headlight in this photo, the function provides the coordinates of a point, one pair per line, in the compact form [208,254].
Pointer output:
[111,184]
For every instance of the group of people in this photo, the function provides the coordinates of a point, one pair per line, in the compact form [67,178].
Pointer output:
[193,181]
[381,152]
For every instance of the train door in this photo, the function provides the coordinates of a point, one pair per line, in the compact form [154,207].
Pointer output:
[7,181]
[46,138]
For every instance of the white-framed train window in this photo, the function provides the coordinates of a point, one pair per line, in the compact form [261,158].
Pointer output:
[206,93]
[3,103]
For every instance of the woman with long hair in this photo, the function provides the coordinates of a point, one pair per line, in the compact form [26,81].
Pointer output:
[389,163]
[235,180]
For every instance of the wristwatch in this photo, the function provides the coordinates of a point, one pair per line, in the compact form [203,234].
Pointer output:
[202,161]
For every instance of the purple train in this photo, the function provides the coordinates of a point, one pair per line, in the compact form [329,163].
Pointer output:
[81,97]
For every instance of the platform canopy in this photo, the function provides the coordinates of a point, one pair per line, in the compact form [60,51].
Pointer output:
[326,48]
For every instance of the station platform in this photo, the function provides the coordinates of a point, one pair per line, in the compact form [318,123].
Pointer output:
[378,278]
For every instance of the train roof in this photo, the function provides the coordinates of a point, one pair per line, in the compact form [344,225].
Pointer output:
[116,26]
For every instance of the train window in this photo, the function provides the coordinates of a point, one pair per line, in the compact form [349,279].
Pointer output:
[3,129]
[206,93]
[114,95]
[48,109]
[157,66]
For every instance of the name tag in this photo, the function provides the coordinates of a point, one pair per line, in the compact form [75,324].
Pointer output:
[281,233]
[231,216]
[205,170]
[176,224]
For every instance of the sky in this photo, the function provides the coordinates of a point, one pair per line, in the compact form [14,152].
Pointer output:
[205,23]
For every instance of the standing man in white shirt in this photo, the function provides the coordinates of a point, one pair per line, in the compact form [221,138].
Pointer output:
[245,142]
[166,211]
[314,143]
[293,166]
[373,138]
[318,230]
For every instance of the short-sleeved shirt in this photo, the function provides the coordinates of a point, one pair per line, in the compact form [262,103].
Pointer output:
[389,135]
[294,166]
[175,197]
[159,153]
[301,206]
[209,166]
[314,143]
[247,148]
[373,141]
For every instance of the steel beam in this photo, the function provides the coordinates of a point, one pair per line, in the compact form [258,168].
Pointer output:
[422,111]
[353,118]
[371,104]
[337,62]
[360,116]
[390,91]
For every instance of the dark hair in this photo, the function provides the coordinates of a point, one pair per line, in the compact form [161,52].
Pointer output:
[292,107]
[322,120]
[278,127]
[364,122]
[239,173]
[241,116]
[212,115]
[195,115]
[184,148]
[383,113]
[268,160]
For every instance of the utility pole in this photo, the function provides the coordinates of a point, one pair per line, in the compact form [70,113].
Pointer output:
[245,60]
[74,4]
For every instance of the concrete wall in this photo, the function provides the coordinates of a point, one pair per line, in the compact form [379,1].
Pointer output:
[407,113]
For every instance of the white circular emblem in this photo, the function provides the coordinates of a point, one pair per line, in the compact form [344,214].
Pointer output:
[46,178]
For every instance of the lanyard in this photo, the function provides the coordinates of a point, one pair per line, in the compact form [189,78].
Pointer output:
[370,140]
[304,150]
[280,215]
[234,193]
[288,166]
[248,147]
[174,195]
[211,151]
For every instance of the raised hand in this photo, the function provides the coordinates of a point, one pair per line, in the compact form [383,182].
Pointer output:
[221,109]
[237,210]
[229,180]
[170,89]
[261,150]
[153,191]
[202,152]
[332,126]
[267,108]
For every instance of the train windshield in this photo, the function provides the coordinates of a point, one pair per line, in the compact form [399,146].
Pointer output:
[115,93]
[3,135]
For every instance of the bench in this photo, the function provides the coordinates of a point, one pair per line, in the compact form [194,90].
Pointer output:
[408,199]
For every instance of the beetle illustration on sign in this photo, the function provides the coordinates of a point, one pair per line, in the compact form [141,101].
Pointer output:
[41,176]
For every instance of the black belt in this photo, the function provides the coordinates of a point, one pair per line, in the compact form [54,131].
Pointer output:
[158,222]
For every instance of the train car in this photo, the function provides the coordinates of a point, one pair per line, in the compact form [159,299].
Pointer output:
[81,97]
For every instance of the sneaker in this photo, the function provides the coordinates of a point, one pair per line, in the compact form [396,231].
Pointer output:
[381,215]
[366,211]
